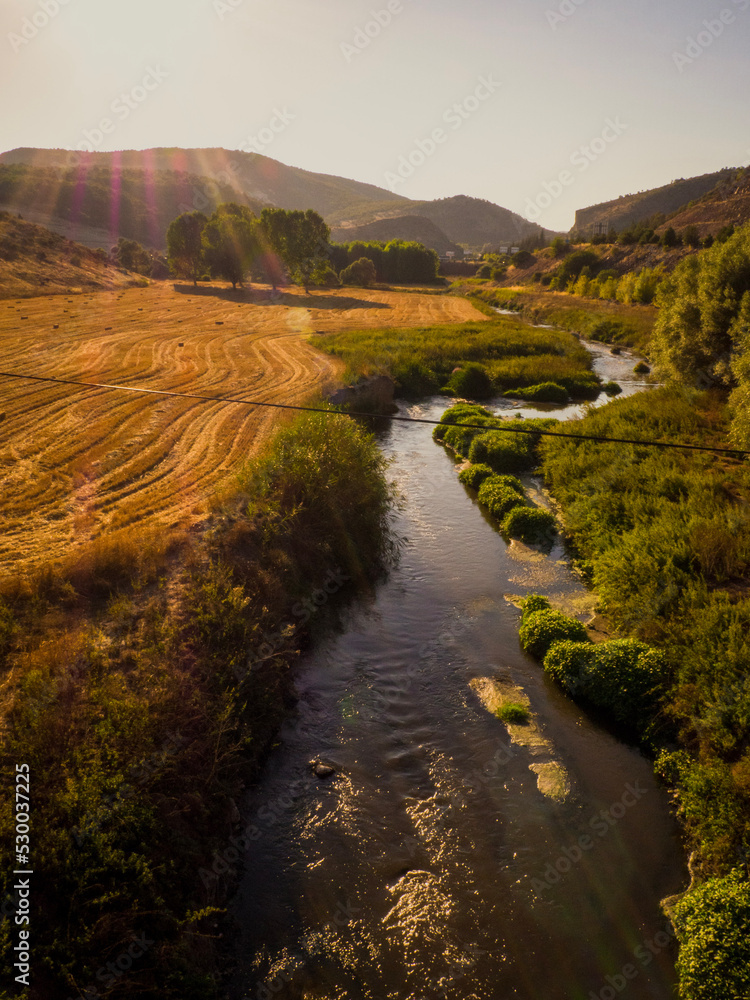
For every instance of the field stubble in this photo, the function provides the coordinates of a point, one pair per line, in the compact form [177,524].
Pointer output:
[75,463]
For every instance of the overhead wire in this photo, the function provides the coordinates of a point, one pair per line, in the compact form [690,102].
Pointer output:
[502,425]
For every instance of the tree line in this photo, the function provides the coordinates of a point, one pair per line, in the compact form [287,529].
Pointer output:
[284,246]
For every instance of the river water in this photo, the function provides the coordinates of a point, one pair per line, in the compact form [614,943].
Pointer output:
[450,855]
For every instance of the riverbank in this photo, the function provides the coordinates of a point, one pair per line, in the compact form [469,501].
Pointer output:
[144,680]
[663,540]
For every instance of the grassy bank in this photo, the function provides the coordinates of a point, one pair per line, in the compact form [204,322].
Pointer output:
[422,359]
[142,683]
[605,322]
[664,539]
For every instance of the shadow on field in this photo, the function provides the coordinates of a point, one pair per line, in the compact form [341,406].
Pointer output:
[315,300]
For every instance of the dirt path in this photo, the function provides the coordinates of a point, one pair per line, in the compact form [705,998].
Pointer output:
[74,463]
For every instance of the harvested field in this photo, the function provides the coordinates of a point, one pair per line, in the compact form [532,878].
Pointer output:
[77,462]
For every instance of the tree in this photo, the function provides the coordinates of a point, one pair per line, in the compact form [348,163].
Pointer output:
[670,238]
[361,272]
[702,334]
[692,237]
[185,245]
[131,255]
[300,240]
[230,242]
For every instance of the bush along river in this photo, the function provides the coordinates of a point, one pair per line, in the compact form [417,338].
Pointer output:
[409,844]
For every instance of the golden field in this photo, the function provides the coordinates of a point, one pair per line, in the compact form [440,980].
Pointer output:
[76,462]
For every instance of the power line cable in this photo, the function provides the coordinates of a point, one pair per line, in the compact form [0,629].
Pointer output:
[503,425]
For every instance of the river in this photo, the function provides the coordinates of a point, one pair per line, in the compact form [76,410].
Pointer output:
[437,861]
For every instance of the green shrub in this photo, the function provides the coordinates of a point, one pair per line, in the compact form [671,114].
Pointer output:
[642,368]
[475,475]
[513,712]
[621,676]
[534,603]
[541,629]
[612,388]
[713,926]
[532,525]
[471,381]
[545,392]
[500,496]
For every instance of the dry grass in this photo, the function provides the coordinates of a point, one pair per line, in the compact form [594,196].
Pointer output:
[75,463]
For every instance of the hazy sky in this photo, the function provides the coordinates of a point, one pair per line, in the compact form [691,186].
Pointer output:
[338,89]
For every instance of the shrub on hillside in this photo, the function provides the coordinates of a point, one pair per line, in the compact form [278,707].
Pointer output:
[542,629]
[531,525]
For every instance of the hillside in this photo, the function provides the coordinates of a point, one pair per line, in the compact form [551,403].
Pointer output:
[628,209]
[225,174]
[405,227]
[35,261]
[727,204]
[97,202]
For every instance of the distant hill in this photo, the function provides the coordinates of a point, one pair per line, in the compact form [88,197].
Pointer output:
[726,204]
[260,180]
[96,202]
[405,227]
[35,261]
[628,209]
[475,222]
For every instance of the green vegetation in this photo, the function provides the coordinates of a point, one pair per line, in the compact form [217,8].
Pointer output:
[623,676]
[395,261]
[531,525]
[702,336]
[473,476]
[423,359]
[144,679]
[546,392]
[603,319]
[712,922]
[499,496]
[230,242]
[664,538]
[147,200]
[513,712]
[360,272]
[185,245]
[504,451]
[470,381]
[542,627]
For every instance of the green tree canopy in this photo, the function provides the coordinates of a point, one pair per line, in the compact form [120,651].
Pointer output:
[230,242]
[300,239]
[185,245]
[702,334]
[361,272]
